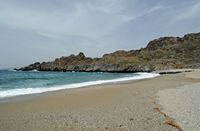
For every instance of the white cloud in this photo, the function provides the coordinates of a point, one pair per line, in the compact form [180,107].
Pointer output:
[92,26]
[85,19]
[191,12]
[148,11]
[90,19]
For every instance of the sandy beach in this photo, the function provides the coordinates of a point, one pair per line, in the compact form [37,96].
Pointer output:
[166,103]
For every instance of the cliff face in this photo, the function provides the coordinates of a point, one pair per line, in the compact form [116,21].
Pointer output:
[160,54]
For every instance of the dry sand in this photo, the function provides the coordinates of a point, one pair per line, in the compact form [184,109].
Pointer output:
[183,103]
[133,105]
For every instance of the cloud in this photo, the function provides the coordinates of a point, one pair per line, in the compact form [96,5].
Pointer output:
[148,11]
[84,18]
[51,28]
[188,13]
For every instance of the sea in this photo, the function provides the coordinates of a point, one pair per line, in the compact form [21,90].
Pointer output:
[17,83]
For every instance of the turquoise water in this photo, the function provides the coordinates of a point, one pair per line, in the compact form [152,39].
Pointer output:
[14,83]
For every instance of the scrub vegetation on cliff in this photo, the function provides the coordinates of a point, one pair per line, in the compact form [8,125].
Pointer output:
[160,54]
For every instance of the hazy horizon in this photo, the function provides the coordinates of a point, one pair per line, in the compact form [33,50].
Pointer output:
[36,31]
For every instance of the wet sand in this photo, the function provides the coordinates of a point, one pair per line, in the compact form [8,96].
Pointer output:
[120,106]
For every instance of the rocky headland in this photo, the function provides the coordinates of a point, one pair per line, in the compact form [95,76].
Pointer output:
[160,54]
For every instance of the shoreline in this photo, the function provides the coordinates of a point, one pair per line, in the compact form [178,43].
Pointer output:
[28,97]
[120,106]
[95,83]
[22,92]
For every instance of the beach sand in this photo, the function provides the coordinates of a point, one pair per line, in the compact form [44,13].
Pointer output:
[183,103]
[142,105]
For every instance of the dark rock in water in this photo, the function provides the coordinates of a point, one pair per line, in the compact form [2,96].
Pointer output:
[34,66]
[160,54]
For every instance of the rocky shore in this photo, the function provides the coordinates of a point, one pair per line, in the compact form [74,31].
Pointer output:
[160,54]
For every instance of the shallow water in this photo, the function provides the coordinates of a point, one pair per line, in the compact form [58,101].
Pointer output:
[14,83]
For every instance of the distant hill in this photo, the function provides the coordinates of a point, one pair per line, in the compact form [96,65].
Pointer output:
[160,54]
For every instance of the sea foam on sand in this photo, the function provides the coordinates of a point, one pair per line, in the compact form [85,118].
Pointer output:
[25,91]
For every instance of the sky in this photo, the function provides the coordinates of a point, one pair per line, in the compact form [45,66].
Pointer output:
[42,30]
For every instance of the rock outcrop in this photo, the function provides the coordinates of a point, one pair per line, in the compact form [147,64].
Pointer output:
[160,54]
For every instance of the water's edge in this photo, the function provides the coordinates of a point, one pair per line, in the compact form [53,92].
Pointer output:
[27,91]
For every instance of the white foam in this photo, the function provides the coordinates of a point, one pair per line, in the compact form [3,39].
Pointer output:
[11,70]
[25,91]
[34,70]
